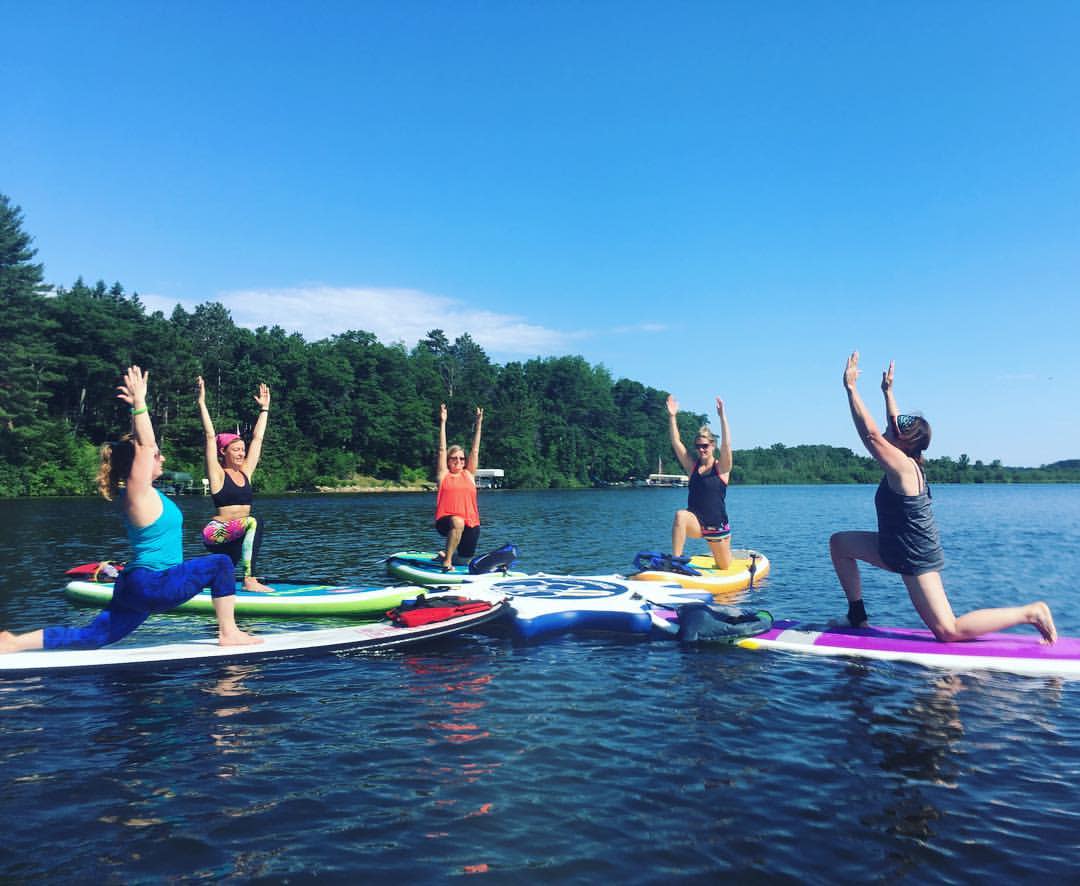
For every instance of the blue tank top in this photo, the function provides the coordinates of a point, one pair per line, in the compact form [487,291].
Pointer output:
[707,497]
[908,539]
[161,544]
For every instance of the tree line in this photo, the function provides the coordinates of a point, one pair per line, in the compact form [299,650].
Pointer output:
[343,408]
[834,464]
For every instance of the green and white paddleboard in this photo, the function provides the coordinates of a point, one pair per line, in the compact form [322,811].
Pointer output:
[287,599]
[422,568]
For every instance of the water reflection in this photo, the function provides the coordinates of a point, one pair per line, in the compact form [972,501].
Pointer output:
[449,702]
[919,743]
[449,694]
[230,687]
[913,740]
[919,735]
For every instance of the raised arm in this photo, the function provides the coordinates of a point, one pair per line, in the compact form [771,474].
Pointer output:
[214,472]
[885,454]
[440,456]
[255,449]
[141,502]
[725,459]
[676,441]
[474,454]
[891,409]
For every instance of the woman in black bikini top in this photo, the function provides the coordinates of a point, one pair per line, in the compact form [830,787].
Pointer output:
[230,466]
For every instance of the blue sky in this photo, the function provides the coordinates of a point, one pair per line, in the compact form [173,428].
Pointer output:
[709,198]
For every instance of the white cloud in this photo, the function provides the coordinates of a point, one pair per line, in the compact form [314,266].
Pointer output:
[392,315]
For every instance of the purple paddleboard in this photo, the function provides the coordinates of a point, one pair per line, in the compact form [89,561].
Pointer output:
[1016,653]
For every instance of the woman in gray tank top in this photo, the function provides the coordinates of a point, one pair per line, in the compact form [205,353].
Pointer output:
[907,538]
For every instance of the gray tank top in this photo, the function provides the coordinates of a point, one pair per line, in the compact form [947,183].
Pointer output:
[908,539]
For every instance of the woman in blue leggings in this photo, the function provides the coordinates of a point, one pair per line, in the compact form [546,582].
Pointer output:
[156,578]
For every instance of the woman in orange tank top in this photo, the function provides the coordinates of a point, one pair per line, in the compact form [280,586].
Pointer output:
[457,516]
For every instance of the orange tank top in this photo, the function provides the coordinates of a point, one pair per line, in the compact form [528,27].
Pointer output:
[457,498]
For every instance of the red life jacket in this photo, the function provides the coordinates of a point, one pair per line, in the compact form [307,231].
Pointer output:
[424,611]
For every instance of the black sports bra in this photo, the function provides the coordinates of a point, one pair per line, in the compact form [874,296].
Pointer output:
[233,494]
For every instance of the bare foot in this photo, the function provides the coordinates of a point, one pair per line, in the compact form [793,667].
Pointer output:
[253,584]
[1039,615]
[237,637]
[10,642]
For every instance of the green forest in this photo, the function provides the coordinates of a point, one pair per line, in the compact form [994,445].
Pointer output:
[346,411]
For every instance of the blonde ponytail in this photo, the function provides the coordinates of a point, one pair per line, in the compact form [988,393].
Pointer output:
[116,461]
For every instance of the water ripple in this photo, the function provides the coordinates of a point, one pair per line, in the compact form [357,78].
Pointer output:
[581,759]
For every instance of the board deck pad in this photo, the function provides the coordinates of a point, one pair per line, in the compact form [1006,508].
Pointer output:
[1020,653]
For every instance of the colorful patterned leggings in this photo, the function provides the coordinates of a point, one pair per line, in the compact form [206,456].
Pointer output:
[140,592]
[239,540]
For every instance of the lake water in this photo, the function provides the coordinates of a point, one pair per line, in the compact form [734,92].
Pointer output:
[584,759]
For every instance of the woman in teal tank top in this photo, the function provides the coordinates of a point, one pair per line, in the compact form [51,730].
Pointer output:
[907,539]
[156,578]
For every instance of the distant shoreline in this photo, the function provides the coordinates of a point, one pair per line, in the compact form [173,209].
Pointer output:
[333,489]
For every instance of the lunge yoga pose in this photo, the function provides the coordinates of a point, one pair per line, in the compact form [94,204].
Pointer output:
[907,538]
[457,514]
[705,515]
[230,465]
[156,578]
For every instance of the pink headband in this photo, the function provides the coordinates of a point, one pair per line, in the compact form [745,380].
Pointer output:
[223,441]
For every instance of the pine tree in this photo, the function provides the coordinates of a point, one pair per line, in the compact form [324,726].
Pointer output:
[27,361]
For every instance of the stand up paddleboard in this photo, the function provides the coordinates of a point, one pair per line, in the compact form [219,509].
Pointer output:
[1015,653]
[426,568]
[383,635]
[286,599]
[747,569]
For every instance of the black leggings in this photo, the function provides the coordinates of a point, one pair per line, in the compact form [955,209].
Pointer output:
[470,535]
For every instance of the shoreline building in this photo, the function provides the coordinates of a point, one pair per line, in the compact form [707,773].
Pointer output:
[490,478]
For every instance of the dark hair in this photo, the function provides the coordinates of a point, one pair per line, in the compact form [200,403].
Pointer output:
[117,457]
[914,439]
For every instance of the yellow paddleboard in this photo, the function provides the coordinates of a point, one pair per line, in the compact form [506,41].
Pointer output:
[747,569]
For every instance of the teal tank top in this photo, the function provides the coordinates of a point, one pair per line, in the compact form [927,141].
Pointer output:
[161,544]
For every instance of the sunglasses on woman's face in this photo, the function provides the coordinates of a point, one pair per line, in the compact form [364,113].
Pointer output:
[703,446]
[456,458]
